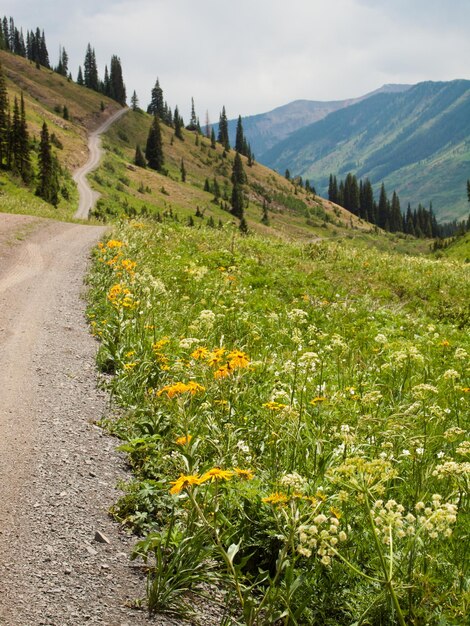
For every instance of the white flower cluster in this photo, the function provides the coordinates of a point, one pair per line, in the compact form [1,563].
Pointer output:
[409,354]
[293,481]
[423,390]
[297,316]
[450,375]
[435,520]
[451,468]
[188,342]
[320,537]
[464,448]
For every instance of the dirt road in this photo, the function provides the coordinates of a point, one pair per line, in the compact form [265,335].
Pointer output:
[88,197]
[58,470]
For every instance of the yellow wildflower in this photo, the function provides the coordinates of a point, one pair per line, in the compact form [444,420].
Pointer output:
[183,482]
[245,474]
[159,345]
[114,243]
[317,400]
[216,474]
[222,372]
[183,441]
[200,354]
[179,388]
[274,406]
[237,359]
[275,498]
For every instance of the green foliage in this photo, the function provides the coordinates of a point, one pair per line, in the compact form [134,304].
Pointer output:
[287,409]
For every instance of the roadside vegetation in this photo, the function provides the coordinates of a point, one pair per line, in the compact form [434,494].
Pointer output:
[296,418]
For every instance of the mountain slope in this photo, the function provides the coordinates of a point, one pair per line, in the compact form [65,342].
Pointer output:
[265,130]
[417,142]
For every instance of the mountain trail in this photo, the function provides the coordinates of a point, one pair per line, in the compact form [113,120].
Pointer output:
[58,470]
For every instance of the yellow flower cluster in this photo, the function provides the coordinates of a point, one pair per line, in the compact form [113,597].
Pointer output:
[121,296]
[274,406]
[177,389]
[212,475]
[234,360]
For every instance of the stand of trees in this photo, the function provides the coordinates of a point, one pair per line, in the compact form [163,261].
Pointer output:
[358,198]
[15,148]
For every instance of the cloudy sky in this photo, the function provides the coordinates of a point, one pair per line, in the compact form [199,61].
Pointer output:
[255,55]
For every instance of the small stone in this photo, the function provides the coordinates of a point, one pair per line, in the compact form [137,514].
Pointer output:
[101,538]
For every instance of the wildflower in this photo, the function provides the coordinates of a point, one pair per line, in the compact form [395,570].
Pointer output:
[216,474]
[450,375]
[222,372]
[184,440]
[244,474]
[200,354]
[274,406]
[114,243]
[317,400]
[183,482]
[275,498]
[179,388]
[159,345]
[293,481]
[237,360]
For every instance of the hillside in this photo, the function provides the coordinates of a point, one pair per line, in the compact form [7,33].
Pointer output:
[265,130]
[417,142]
[45,93]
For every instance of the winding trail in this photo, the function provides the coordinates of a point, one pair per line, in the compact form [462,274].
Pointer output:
[88,197]
[58,471]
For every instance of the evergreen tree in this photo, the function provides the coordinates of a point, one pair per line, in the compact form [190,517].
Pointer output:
[468,189]
[4,113]
[43,54]
[90,70]
[265,215]
[193,121]
[14,140]
[23,142]
[117,89]
[243,226]
[139,158]
[63,64]
[238,201]
[367,202]
[106,86]
[134,101]
[216,190]
[287,174]
[222,137]
[207,186]
[48,181]
[154,147]
[178,124]
[208,127]
[240,142]
[238,173]
[212,138]
[65,112]
[157,103]
[396,218]
[183,171]
[80,80]
[382,209]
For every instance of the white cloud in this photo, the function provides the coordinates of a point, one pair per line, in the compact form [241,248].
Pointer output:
[254,55]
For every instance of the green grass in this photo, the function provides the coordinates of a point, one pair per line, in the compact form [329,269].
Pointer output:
[286,409]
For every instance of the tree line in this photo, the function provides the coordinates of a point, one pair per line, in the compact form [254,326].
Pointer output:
[16,148]
[34,48]
[358,198]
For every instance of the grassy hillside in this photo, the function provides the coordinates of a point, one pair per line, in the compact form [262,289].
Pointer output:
[417,142]
[45,93]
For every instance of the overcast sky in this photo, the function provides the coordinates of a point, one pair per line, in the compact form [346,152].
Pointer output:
[255,55]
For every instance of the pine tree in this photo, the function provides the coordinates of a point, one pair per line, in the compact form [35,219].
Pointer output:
[178,124]
[80,80]
[396,218]
[222,137]
[183,171]
[265,215]
[14,140]
[468,189]
[238,201]
[287,174]
[243,226]
[238,173]
[382,209]
[3,118]
[157,103]
[48,183]
[139,158]
[333,189]
[116,83]
[90,70]
[240,142]
[24,149]
[134,101]
[212,138]
[63,64]
[43,54]
[208,127]
[193,121]
[154,147]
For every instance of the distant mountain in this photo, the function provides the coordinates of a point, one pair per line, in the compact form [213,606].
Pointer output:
[265,130]
[416,141]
